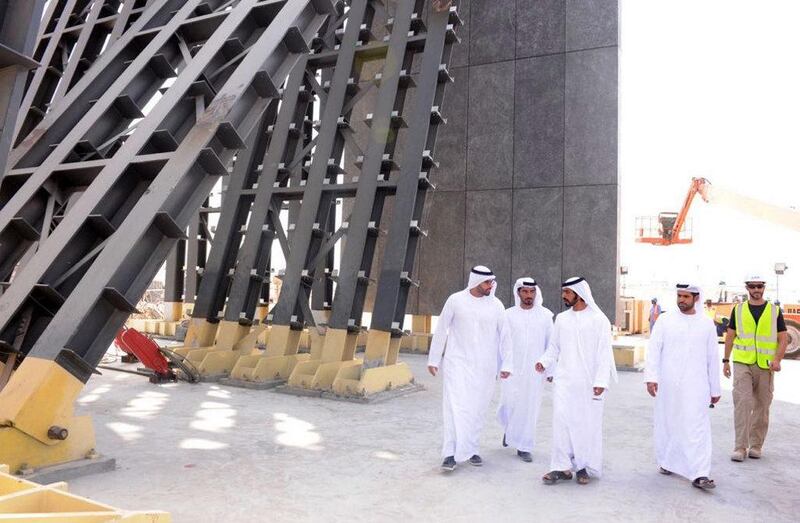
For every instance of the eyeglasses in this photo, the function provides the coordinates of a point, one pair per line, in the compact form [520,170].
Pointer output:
[755,285]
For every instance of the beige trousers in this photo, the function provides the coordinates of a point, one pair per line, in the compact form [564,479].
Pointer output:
[752,396]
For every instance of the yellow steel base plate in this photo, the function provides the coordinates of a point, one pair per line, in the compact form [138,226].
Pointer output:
[29,502]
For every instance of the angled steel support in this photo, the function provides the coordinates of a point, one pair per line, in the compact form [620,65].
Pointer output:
[131,211]
[19,22]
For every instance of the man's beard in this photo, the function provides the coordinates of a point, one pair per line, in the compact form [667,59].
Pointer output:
[684,307]
[568,304]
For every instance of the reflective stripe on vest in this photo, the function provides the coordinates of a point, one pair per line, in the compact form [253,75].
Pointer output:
[755,343]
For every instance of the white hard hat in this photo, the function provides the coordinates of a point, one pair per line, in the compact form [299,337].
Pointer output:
[752,277]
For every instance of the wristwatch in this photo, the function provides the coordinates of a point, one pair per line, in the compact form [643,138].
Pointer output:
[725,360]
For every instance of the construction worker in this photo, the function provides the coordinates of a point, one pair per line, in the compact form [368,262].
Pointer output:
[655,311]
[758,339]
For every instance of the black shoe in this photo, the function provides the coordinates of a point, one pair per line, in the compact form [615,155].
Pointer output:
[524,456]
[582,476]
[504,441]
[449,464]
[475,461]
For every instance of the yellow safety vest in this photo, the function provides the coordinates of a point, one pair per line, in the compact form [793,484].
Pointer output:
[755,343]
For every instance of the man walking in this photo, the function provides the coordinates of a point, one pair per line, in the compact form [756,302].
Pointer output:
[531,326]
[581,354]
[474,328]
[655,312]
[757,340]
[682,373]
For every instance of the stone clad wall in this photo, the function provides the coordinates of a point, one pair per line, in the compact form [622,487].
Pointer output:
[528,177]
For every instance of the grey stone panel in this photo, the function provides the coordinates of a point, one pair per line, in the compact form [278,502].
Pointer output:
[492,30]
[441,259]
[541,27]
[490,143]
[539,122]
[488,236]
[460,52]
[537,237]
[590,240]
[591,117]
[592,23]
[451,141]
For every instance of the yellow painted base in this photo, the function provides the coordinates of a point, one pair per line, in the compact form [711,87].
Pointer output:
[20,450]
[381,349]
[40,395]
[263,336]
[353,380]
[173,310]
[316,375]
[283,341]
[340,345]
[629,356]
[250,340]
[29,502]
[232,341]
[261,312]
[200,333]
[417,343]
[229,333]
[303,374]
[260,368]
[217,362]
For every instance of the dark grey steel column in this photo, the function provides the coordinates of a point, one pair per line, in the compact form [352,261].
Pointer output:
[398,259]
[19,23]
[255,252]
[357,255]
[123,249]
[235,210]
[324,152]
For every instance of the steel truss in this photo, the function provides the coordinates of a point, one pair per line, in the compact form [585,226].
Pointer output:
[99,190]
[397,82]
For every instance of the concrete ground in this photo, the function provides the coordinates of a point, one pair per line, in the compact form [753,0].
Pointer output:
[212,453]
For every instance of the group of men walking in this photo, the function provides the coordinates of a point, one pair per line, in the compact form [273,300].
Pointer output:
[477,340]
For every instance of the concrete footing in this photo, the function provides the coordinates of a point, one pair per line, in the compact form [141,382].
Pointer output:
[71,470]
[372,398]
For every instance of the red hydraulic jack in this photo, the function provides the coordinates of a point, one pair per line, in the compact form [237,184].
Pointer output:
[160,363]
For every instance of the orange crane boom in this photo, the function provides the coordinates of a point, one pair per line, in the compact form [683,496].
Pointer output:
[669,228]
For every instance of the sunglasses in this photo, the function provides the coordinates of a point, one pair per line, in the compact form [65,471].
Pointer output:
[755,285]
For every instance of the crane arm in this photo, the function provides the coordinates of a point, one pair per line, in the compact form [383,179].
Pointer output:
[784,216]
[699,185]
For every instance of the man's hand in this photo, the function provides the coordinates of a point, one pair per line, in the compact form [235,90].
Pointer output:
[726,370]
[652,388]
[775,365]
[715,399]
[504,374]
[539,367]
[433,370]
[598,390]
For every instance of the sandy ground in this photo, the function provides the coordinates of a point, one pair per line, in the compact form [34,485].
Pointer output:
[212,453]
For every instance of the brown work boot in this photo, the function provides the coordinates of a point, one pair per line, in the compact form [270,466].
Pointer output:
[755,453]
[738,455]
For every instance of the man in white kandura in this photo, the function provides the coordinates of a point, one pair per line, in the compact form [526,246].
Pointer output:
[581,354]
[682,373]
[474,327]
[531,325]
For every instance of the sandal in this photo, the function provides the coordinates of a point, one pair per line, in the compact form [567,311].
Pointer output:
[662,470]
[703,483]
[553,477]
[582,477]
